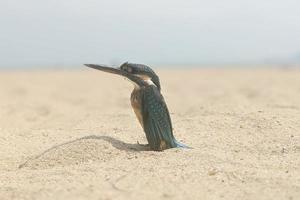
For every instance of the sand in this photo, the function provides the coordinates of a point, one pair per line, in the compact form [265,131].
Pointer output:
[73,135]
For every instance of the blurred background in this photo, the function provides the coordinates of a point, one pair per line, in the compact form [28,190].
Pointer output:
[54,33]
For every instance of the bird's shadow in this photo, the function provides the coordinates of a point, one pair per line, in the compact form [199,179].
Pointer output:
[118,144]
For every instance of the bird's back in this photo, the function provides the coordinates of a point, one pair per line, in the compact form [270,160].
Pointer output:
[156,119]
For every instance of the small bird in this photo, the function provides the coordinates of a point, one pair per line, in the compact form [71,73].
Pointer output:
[148,104]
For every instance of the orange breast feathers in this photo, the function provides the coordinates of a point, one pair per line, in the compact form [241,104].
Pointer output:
[136,103]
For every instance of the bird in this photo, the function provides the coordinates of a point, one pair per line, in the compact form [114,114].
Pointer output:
[148,104]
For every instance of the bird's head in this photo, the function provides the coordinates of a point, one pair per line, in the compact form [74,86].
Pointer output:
[142,71]
[128,70]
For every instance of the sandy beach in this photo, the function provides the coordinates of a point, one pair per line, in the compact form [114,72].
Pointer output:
[72,134]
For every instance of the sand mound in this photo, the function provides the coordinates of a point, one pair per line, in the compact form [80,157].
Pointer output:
[73,135]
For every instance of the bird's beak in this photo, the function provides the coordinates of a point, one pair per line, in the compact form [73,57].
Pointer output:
[108,69]
[117,71]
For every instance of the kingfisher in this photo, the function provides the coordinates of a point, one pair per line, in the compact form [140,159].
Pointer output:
[148,104]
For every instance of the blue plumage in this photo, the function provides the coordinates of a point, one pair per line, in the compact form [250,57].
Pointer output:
[148,104]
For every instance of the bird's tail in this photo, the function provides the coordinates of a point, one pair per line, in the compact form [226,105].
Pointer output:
[181,145]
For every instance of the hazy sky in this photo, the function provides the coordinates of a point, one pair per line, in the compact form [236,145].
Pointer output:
[71,32]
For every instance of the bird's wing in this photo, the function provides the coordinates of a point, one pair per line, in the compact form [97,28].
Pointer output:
[156,120]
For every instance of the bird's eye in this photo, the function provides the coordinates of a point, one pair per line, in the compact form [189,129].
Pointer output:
[124,68]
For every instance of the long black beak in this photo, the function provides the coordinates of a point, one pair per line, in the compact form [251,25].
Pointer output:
[108,69]
[117,71]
